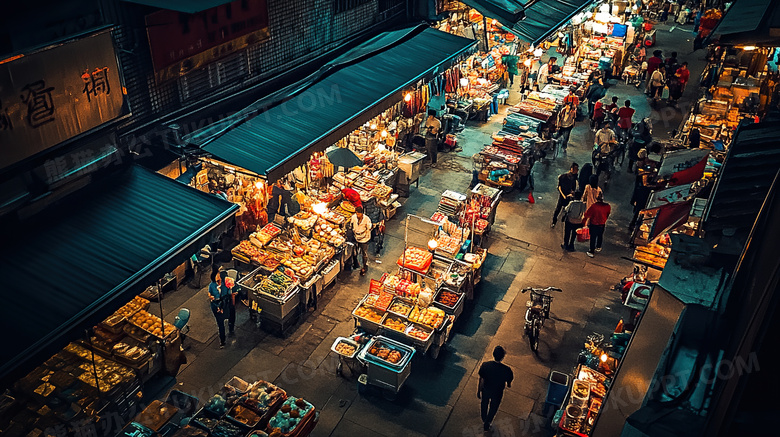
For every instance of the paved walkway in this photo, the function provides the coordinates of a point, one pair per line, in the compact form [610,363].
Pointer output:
[440,396]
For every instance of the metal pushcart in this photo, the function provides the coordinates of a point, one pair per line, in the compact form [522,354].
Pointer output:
[382,373]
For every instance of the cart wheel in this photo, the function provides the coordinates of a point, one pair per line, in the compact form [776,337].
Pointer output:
[435,352]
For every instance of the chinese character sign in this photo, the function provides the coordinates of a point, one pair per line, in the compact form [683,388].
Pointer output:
[52,95]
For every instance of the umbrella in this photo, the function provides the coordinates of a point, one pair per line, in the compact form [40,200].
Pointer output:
[343,157]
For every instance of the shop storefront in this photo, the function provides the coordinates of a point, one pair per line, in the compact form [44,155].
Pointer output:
[353,136]
[84,343]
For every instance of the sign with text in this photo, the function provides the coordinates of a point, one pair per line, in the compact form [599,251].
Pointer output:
[182,42]
[50,96]
[680,160]
[669,195]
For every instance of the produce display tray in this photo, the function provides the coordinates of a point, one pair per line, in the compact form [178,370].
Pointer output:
[348,341]
[454,310]
[369,326]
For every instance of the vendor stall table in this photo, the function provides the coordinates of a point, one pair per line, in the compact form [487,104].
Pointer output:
[410,165]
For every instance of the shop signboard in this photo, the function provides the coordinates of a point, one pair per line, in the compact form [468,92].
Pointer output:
[683,166]
[55,94]
[183,42]
[637,296]
[669,195]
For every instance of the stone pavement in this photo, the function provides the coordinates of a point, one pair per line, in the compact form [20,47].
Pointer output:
[439,399]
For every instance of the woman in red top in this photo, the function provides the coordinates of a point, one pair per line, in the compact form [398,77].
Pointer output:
[683,74]
[624,118]
[596,218]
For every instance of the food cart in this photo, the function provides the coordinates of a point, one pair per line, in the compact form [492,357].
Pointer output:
[388,363]
[275,298]
[410,165]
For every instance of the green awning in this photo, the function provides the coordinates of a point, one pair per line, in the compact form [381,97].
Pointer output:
[186,6]
[507,12]
[73,265]
[346,93]
[543,17]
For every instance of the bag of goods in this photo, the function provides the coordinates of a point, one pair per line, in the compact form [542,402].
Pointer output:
[416,259]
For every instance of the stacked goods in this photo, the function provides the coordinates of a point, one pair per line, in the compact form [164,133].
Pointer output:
[133,354]
[277,284]
[304,220]
[383,301]
[448,298]
[438,217]
[368,313]
[386,353]
[280,245]
[294,413]
[401,287]
[448,245]
[130,308]
[334,218]
[152,324]
[325,231]
[300,266]
[432,317]
[400,307]
[265,235]
[419,332]
[416,259]
[395,323]
[381,191]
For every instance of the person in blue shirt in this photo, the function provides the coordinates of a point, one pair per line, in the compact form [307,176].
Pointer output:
[219,296]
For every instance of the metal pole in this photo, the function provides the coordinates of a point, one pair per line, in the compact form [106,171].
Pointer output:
[485,33]
[92,355]
[162,322]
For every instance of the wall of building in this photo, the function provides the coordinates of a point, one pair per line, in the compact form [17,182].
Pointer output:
[299,31]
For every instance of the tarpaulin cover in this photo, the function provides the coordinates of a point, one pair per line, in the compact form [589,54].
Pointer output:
[68,268]
[186,6]
[543,17]
[349,91]
[507,12]
[749,22]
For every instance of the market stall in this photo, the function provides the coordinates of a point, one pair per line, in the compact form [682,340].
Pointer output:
[596,368]
[256,409]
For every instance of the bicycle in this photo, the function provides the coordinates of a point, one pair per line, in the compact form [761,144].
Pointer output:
[538,311]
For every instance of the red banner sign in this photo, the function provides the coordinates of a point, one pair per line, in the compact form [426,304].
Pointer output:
[182,42]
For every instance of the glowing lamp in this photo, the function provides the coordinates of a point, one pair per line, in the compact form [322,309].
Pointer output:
[538,52]
[259,185]
[749,48]
[464,82]
[408,97]
[383,134]
[432,244]
[604,358]
[320,208]
[494,22]
[527,63]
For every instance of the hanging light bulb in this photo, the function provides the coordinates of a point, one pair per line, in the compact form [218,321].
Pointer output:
[373,126]
[383,134]
[259,185]
[538,52]
[604,358]
[432,244]
[464,82]
[408,97]
[494,22]
[527,63]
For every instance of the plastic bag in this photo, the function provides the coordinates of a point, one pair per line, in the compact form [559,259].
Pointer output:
[583,234]
[531,197]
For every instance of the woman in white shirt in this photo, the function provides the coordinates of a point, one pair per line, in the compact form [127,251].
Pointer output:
[591,192]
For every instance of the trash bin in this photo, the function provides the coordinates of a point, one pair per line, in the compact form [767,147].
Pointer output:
[557,388]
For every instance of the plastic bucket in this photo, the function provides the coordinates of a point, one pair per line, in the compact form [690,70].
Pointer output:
[557,387]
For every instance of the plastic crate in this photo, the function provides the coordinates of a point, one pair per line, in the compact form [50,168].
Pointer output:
[558,386]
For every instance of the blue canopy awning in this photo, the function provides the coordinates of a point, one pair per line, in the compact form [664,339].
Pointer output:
[70,267]
[348,92]
[507,12]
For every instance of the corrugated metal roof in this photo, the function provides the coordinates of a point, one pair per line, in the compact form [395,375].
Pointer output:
[76,264]
[748,171]
[543,17]
[354,88]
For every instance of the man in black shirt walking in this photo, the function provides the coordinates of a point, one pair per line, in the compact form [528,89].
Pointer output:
[493,377]
[567,185]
